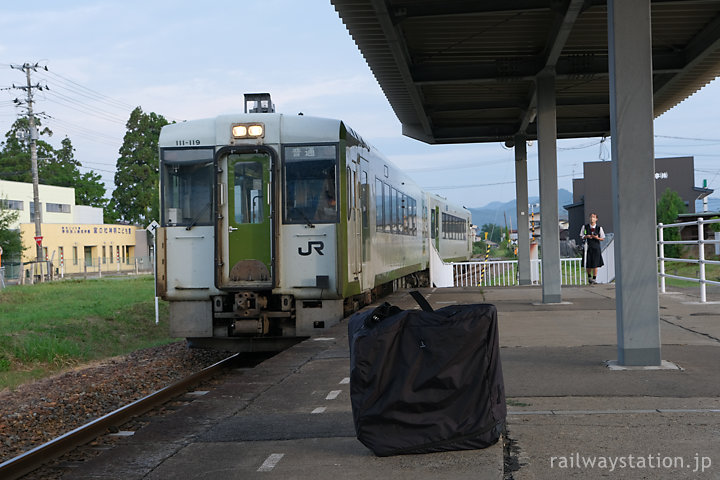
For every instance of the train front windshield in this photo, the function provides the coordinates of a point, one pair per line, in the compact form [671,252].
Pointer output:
[187,181]
[310,184]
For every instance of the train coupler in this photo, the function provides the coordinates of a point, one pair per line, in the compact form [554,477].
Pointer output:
[249,304]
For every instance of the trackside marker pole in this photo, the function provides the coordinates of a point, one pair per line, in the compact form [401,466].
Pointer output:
[487,254]
[153,231]
[157,310]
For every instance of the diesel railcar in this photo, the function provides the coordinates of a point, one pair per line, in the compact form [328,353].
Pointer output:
[274,227]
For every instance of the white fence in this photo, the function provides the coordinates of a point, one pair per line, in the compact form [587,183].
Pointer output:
[700,261]
[504,273]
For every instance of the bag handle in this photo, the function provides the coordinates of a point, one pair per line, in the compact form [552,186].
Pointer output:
[383,311]
[424,304]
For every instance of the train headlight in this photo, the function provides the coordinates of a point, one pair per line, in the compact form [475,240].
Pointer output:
[255,130]
[249,130]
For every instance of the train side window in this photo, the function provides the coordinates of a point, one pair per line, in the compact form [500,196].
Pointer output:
[391,219]
[454,228]
[353,189]
[433,223]
[379,206]
[400,208]
[412,216]
[351,202]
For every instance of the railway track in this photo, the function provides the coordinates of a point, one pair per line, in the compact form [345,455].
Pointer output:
[37,457]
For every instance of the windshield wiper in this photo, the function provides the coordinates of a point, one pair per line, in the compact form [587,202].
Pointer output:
[197,217]
[302,214]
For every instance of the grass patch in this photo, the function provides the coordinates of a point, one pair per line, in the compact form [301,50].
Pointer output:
[48,327]
[690,270]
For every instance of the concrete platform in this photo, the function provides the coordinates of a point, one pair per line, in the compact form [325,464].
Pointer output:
[570,416]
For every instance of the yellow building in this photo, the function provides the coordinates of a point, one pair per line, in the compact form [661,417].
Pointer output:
[74,239]
[79,248]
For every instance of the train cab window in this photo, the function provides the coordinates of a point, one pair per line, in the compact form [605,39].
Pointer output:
[187,182]
[310,193]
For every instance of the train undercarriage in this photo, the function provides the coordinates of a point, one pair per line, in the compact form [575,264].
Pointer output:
[260,321]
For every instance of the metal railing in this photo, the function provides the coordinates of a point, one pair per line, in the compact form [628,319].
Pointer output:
[504,273]
[701,261]
[47,270]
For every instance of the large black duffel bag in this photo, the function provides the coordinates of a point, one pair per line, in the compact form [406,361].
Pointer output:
[424,381]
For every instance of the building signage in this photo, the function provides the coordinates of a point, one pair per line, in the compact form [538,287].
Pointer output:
[102,229]
[661,175]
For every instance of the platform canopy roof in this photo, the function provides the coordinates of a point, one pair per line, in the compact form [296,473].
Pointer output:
[458,71]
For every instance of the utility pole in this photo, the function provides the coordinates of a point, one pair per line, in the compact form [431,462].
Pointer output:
[33,153]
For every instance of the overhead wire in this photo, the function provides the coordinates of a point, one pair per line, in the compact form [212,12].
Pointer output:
[71,85]
[83,107]
[74,96]
[457,187]
[85,132]
[600,142]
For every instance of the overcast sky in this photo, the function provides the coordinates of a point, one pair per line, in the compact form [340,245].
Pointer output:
[187,59]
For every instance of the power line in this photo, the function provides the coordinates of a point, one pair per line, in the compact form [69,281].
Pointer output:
[100,137]
[79,106]
[89,93]
[457,187]
[688,138]
[471,164]
[580,147]
[686,154]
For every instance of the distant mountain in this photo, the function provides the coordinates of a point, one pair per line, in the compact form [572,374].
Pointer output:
[497,212]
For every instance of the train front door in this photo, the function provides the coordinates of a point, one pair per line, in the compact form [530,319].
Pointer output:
[247,226]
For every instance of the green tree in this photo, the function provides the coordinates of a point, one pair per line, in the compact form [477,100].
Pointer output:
[494,232]
[15,162]
[90,190]
[63,171]
[10,240]
[55,167]
[136,180]
[669,207]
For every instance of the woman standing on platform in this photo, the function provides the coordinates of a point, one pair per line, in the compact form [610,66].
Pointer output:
[592,234]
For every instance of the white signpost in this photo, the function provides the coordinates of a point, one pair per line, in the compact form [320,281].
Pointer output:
[152,228]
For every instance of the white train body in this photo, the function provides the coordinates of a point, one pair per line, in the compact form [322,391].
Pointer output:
[273,227]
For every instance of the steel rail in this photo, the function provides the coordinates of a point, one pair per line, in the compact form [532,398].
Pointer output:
[38,456]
